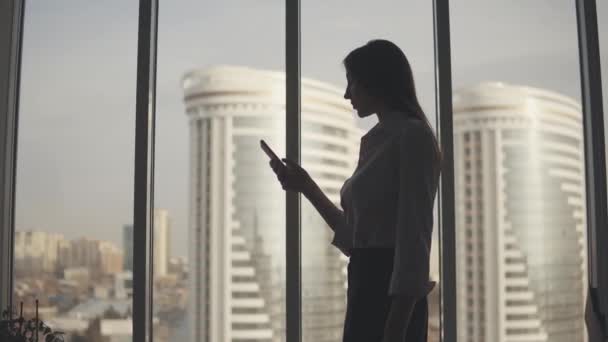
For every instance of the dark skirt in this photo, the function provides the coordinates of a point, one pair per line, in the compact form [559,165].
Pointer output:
[368,302]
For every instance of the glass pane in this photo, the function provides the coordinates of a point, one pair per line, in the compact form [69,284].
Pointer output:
[75,167]
[331,133]
[519,172]
[221,88]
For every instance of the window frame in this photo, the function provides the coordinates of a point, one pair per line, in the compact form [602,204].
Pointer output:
[143,192]
[11,32]
[293,217]
[595,159]
[445,198]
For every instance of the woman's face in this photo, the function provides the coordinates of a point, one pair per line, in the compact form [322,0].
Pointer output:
[359,98]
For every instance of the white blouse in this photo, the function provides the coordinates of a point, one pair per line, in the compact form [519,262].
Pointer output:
[388,201]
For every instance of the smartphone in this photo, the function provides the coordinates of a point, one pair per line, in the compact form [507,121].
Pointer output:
[269,151]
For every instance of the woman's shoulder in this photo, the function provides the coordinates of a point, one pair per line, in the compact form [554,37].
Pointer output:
[414,123]
[414,128]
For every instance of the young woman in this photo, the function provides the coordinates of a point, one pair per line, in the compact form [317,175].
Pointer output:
[386,220]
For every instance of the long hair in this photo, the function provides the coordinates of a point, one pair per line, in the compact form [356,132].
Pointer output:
[383,70]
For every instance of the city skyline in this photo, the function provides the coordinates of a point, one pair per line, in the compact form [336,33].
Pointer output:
[79,284]
[549,46]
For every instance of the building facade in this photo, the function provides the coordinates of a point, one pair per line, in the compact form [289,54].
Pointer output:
[37,251]
[110,258]
[237,220]
[161,247]
[99,257]
[520,223]
[162,240]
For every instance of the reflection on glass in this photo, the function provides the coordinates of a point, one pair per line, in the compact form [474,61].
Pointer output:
[75,167]
[331,134]
[519,173]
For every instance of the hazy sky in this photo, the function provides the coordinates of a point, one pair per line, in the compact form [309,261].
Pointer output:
[75,167]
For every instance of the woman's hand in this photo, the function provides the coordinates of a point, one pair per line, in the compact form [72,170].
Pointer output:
[292,176]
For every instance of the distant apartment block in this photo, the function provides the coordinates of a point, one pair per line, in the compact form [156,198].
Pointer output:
[100,257]
[36,251]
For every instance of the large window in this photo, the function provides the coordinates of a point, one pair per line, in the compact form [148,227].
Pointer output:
[329,32]
[519,172]
[75,167]
[218,261]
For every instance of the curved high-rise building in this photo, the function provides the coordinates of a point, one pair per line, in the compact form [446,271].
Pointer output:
[237,207]
[520,199]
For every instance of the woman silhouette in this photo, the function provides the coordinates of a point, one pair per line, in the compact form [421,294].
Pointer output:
[386,223]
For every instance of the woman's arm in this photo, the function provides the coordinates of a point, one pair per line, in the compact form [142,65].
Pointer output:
[333,216]
[417,186]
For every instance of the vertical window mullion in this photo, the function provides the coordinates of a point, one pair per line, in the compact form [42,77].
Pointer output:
[292,127]
[595,160]
[11,29]
[144,170]
[447,237]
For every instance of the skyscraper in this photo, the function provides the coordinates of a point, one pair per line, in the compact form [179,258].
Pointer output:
[237,223]
[161,248]
[162,240]
[520,221]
